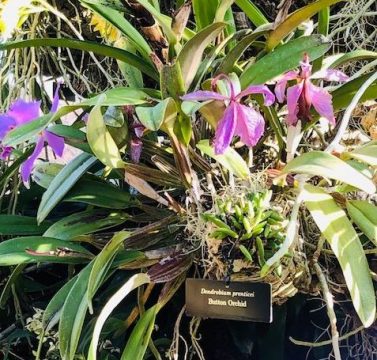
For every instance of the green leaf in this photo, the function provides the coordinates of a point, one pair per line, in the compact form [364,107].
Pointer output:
[85,222]
[119,96]
[191,54]
[16,225]
[90,190]
[138,341]
[72,136]
[134,282]
[223,7]
[319,163]
[366,153]
[41,249]
[344,242]
[364,215]
[95,47]
[102,264]
[63,182]
[153,117]
[252,12]
[26,131]
[133,76]
[231,160]
[284,58]
[73,315]
[355,55]
[235,54]
[100,140]
[343,95]
[204,12]
[118,20]
[53,310]
[295,19]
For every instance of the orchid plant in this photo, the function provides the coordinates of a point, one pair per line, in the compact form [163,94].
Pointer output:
[159,187]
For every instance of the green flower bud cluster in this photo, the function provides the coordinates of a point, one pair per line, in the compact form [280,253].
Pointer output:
[250,223]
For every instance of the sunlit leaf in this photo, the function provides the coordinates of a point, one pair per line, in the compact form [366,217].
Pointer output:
[344,242]
[284,58]
[364,214]
[320,163]
[231,160]
[100,140]
[134,282]
[295,19]
[191,55]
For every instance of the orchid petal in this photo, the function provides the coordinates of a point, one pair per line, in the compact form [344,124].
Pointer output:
[23,111]
[7,123]
[225,129]
[293,94]
[55,101]
[5,151]
[231,82]
[250,125]
[330,75]
[282,84]
[268,96]
[27,166]
[55,142]
[322,102]
[203,95]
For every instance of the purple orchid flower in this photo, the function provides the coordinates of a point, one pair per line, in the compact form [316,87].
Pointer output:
[238,119]
[304,94]
[20,113]
[54,141]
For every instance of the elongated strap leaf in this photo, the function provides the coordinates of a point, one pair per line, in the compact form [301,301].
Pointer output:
[118,20]
[63,182]
[41,249]
[85,222]
[138,341]
[231,160]
[234,54]
[252,12]
[16,225]
[319,163]
[204,12]
[191,55]
[343,239]
[73,315]
[101,141]
[284,58]
[295,19]
[366,154]
[364,214]
[102,263]
[94,47]
[134,282]
[355,55]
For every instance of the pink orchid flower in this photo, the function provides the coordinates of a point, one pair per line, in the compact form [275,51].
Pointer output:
[304,94]
[238,119]
[22,112]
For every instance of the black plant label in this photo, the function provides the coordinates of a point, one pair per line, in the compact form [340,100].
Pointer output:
[246,301]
